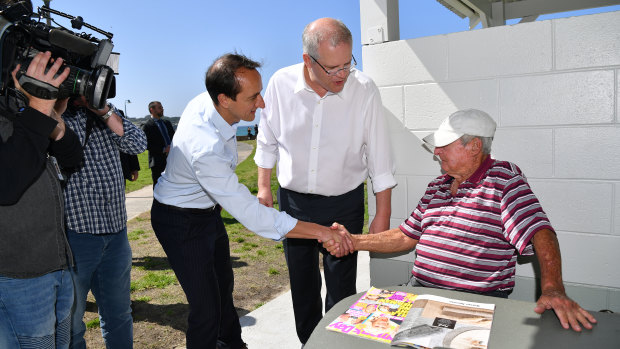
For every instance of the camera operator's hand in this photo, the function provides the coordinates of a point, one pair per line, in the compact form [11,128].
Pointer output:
[50,107]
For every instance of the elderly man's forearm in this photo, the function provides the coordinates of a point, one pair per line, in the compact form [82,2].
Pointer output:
[389,241]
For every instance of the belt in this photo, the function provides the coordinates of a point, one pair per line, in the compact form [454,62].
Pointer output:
[189,209]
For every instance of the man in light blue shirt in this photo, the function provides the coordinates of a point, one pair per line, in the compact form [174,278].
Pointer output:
[198,181]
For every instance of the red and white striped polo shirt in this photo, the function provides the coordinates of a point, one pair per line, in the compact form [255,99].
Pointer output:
[470,241]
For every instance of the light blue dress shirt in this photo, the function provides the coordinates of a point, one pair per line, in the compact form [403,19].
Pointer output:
[200,172]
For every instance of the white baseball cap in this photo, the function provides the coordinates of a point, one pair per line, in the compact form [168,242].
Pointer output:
[471,122]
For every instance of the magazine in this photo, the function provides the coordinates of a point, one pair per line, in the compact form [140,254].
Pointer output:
[376,315]
[420,321]
[436,321]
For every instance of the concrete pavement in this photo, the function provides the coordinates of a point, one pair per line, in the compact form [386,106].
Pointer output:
[273,324]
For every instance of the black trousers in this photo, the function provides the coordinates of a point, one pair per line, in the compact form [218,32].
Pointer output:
[196,243]
[302,255]
[156,172]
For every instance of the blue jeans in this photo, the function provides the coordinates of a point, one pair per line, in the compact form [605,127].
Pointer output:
[103,266]
[34,313]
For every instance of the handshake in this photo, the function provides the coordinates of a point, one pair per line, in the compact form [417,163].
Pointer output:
[337,240]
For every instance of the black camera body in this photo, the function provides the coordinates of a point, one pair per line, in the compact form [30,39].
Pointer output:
[90,60]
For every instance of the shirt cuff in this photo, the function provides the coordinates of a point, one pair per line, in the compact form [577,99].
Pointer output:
[383,182]
[284,224]
[264,160]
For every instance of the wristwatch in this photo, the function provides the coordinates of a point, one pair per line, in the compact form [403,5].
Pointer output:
[107,115]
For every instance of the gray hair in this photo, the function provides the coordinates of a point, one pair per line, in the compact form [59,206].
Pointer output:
[486,142]
[336,32]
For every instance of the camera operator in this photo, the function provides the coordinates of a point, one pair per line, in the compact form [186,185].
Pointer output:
[97,221]
[36,291]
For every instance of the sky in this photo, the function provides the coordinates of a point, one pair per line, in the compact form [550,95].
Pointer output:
[166,46]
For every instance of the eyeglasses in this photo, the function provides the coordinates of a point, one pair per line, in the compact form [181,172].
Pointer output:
[347,67]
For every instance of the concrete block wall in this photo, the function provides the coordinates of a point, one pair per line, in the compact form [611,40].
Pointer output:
[553,88]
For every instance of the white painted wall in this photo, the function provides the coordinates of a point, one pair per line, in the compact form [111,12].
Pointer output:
[553,88]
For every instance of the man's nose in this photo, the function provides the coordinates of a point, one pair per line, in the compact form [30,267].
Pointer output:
[260,102]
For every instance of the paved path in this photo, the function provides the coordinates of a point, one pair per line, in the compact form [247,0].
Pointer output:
[273,324]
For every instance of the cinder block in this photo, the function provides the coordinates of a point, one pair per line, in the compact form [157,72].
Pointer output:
[590,298]
[427,105]
[392,99]
[407,61]
[399,198]
[576,206]
[613,300]
[558,99]
[616,212]
[587,41]
[525,289]
[416,186]
[590,259]
[518,145]
[410,156]
[587,153]
[499,51]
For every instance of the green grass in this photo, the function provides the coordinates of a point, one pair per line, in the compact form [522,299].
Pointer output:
[136,234]
[154,279]
[144,176]
[94,323]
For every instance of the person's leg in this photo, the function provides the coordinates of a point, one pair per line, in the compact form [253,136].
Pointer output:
[111,287]
[156,173]
[64,305]
[230,328]
[341,273]
[302,258]
[87,253]
[189,242]
[28,311]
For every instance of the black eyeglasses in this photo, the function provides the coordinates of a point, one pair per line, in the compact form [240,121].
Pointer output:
[347,67]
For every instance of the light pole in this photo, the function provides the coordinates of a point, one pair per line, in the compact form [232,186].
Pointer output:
[126,101]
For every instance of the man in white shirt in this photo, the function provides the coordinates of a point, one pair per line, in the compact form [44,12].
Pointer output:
[323,124]
[198,181]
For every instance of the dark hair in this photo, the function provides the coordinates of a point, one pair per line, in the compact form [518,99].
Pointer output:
[221,78]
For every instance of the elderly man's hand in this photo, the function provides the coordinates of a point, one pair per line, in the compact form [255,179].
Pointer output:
[568,311]
[344,247]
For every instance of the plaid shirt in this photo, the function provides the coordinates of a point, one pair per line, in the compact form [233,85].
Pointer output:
[95,194]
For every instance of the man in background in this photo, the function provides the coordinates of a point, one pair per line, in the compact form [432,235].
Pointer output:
[97,221]
[323,124]
[159,133]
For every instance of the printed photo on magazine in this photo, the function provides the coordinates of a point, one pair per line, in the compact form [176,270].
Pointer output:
[377,315]
[436,321]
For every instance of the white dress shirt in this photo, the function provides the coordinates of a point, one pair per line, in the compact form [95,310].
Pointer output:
[200,172]
[327,145]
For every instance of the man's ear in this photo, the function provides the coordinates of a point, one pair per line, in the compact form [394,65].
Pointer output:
[307,60]
[475,146]
[223,100]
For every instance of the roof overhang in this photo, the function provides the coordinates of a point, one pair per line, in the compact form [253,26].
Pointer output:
[493,13]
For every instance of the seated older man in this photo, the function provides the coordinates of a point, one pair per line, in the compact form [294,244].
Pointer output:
[473,221]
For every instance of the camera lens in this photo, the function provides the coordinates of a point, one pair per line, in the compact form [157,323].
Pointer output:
[96,86]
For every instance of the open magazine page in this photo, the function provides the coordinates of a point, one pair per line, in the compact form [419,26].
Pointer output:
[376,315]
[436,321]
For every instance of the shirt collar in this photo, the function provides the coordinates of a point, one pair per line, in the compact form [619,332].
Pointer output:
[302,85]
[226,130]
[482,170]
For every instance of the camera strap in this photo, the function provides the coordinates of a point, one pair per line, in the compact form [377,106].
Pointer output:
[37,88]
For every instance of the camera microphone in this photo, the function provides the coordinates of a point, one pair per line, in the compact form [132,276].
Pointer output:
[72,43]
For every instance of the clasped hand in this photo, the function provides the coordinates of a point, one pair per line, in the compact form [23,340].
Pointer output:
[341,244]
